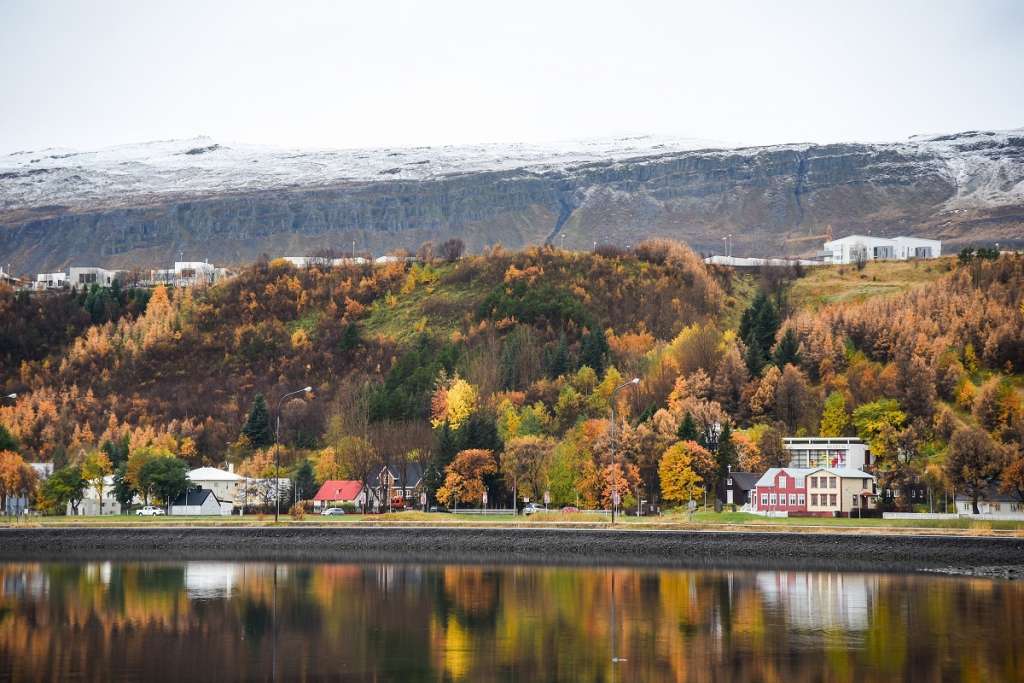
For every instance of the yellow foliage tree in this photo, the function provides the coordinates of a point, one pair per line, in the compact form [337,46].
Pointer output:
[461,402]
[679,482]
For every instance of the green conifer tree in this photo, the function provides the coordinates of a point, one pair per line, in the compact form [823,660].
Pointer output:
[257,426]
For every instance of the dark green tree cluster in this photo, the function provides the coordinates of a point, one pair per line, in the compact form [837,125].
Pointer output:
[594,349]
[405,393]
[758,327]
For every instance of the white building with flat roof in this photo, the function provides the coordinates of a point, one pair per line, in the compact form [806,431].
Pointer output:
[189,274]
[856,248]
[827,451]
[51,281]
[92,275]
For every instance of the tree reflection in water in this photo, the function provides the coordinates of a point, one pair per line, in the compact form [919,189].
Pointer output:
[221,621]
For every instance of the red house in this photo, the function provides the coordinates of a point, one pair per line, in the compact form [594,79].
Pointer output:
[781,489]
[337,492]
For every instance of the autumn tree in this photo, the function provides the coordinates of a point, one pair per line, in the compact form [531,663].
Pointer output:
[95,469]
[358,458]
[973,463]
[834,418]
[773,448]
[679,481]
[787,351]
[795,401]
[1012,477]
[464,477]
[16,478]
[624,480]
[525,462]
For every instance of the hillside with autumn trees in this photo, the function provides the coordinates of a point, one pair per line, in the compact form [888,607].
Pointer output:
[496,372]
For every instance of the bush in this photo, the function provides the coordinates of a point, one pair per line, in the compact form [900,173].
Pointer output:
[298,512]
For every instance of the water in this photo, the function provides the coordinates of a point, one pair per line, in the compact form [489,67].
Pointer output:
[202,621]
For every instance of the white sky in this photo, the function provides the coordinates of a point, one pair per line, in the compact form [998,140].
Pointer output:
[355,74]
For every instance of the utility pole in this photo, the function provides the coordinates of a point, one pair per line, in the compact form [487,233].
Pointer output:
[277,451]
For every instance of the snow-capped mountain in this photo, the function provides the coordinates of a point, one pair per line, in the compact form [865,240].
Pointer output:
[138,205]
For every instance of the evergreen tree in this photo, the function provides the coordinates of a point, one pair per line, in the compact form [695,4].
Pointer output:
[257,426]
[305,482]
[7,440]
[445,448]
[787,350]
[117,451]
[479,432]
[758,326]
[688,429]
[594,349]
[558,363]
[725,456]
[754,360]
[509,362]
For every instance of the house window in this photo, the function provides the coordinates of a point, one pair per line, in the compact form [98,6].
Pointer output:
[832,499]
[814,499]
[773,499]
[800,500]
[764,500]
[814,482]
[782,482]
[792,499]
[854,500]
[832,482]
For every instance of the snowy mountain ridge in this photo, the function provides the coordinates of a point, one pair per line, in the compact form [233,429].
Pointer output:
[127,174]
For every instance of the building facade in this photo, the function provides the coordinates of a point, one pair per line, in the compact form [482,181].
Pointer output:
[89,276]
[820,451]
[225,484]
[840,492]
[861,248]
[781,489]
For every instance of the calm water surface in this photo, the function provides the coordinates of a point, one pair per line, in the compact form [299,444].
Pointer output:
[202,621]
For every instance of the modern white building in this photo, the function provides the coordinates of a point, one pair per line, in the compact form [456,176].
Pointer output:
[91,504]
[88,276]
[827,451]
[189,274]
[858,248]
[51,281]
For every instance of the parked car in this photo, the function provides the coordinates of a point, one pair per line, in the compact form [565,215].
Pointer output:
[332,511]
[150,511]
[531,508]
[568,509]
[435,508]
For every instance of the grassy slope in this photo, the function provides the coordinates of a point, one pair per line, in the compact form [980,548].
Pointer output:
[834,284]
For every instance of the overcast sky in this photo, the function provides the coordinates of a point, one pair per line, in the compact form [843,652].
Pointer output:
[354,74]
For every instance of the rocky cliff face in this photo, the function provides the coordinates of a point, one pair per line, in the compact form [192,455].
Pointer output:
[144,205]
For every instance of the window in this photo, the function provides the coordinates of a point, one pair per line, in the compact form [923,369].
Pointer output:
[792,499]
[773,499]
[854,501]
[831,482]
[764,500]
[782,482]
[832,499]
[801,500]
[814,482]
[814,499]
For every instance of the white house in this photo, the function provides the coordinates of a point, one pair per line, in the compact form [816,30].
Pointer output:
[856,248]
[18,505]
[88,276]
[225,484]
[189,274]
[90,505]
[199,502]
[51,281]
[827,451]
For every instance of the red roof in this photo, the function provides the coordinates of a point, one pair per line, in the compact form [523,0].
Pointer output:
[339,489]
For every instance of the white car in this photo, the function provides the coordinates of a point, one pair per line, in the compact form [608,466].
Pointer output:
[531,508]
[332,511]
[150,511]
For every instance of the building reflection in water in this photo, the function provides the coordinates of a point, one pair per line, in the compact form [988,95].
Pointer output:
[225,621]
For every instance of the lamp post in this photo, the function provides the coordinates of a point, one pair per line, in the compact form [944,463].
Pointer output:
[277,450]
[615,481]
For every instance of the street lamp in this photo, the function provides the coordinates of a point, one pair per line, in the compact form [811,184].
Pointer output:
[277,450]
[615,482]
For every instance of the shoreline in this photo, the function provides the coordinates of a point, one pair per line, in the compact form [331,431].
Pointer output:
[997,556]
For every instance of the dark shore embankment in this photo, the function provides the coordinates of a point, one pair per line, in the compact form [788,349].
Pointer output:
[841,551]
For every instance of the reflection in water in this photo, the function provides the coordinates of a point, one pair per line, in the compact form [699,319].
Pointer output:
[224,621]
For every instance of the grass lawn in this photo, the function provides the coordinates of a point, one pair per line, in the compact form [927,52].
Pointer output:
[708,520]
[832,284]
